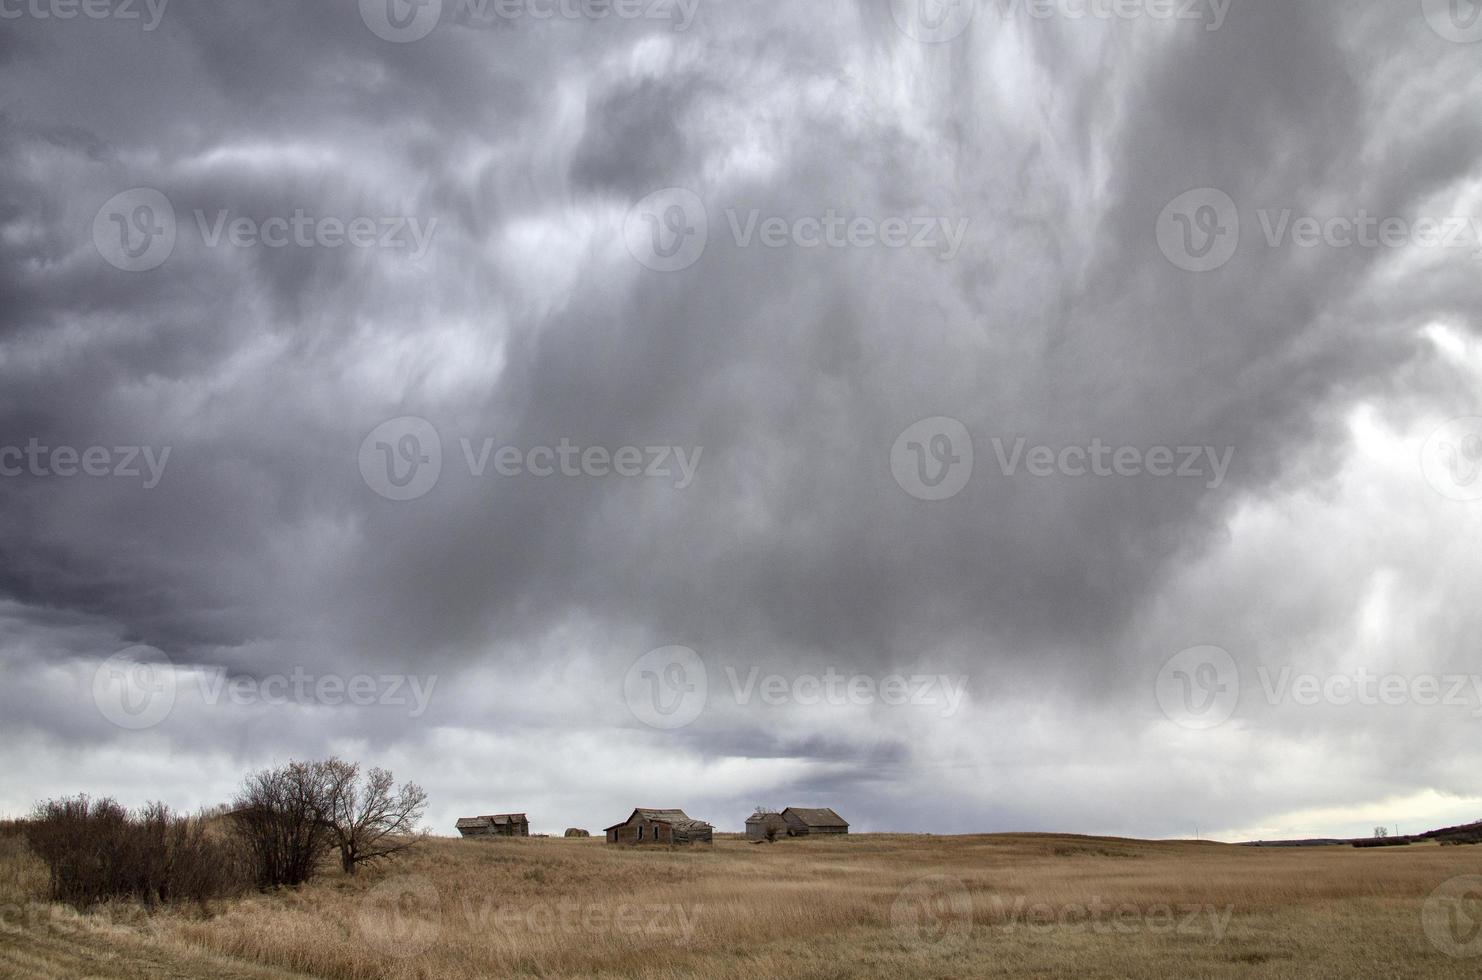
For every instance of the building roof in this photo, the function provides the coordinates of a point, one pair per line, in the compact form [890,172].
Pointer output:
[816,816]
[672,817]
[490,820]
[763,817]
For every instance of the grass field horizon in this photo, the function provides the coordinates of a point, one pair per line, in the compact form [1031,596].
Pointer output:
[876,905]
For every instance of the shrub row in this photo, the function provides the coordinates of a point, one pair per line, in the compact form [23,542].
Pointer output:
[96,850]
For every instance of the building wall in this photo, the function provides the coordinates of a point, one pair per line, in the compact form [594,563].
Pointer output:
[797,828]
[757,829]
[656,833]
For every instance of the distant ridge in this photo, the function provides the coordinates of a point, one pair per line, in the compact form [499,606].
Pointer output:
[1467,833]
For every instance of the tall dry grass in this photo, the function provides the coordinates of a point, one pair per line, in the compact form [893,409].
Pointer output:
[880,906]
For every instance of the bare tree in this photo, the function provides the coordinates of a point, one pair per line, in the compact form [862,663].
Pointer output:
[370,818]
[1381,832]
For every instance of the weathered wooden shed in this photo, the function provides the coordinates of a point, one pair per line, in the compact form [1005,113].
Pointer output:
[807,821]
[765,825]
[495,825]
[649,825]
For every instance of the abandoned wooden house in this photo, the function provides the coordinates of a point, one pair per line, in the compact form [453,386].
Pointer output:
[647,825]
[806,821]
[495,825]
[765,825]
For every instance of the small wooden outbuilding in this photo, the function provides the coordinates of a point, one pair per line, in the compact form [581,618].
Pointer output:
[765,825]
[495,825]
[807,821]
[649,825]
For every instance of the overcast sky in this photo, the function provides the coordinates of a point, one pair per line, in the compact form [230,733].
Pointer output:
[1010,415]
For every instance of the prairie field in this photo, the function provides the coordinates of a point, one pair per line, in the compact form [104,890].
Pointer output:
[861,906]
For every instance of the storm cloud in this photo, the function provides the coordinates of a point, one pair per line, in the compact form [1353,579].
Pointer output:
[415,257]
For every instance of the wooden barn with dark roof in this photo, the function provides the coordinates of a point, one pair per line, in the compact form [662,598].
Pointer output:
[649,825]
[807,821]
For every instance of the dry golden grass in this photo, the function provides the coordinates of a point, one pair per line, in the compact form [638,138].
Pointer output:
[867,905]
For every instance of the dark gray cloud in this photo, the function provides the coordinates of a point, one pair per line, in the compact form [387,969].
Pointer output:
[1054,143]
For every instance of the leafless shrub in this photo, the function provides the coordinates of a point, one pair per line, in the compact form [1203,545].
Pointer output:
[96,850]
[276,815]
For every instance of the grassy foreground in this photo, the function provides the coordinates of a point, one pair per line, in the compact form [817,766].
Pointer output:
[866,905]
